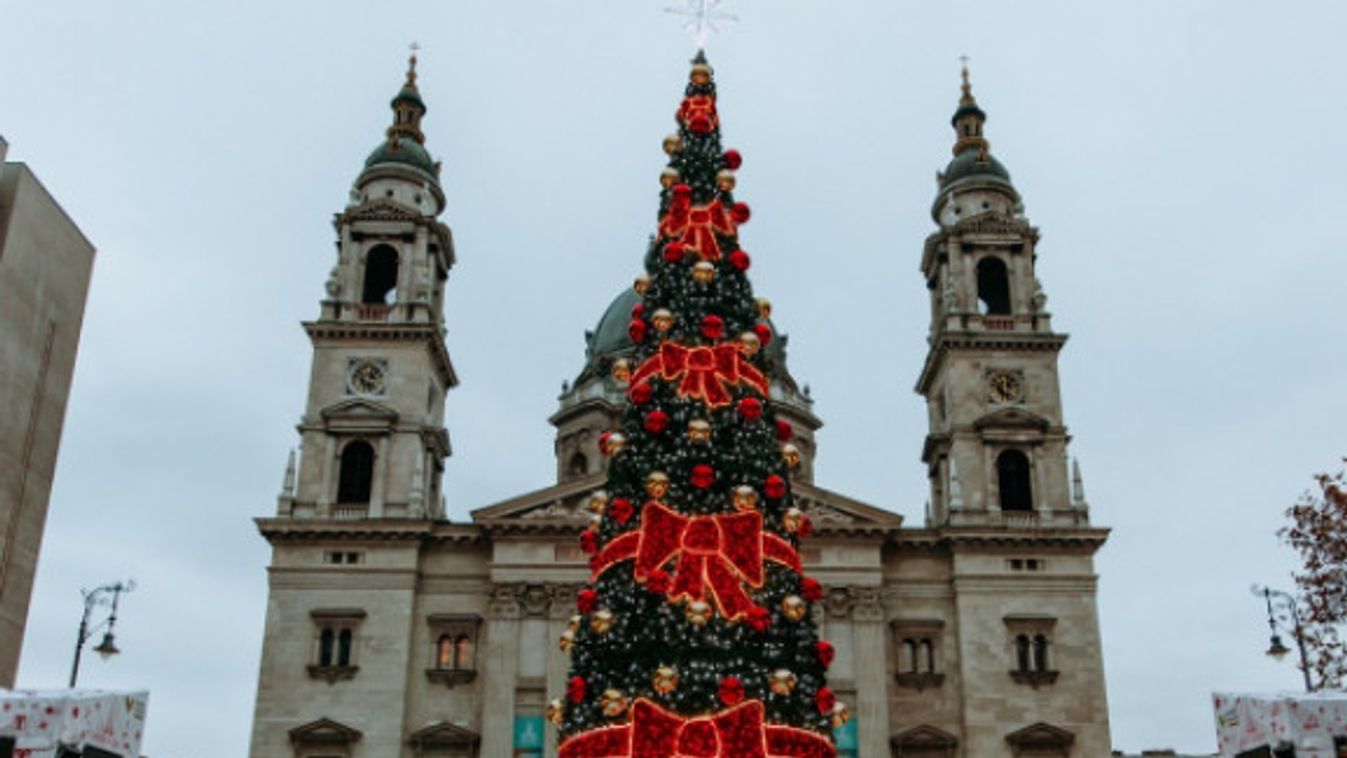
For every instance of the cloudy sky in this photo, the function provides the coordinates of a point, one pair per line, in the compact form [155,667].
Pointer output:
[1183,161]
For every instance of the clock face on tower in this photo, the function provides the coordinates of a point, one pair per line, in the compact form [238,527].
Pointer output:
[366,376]
[1005,387]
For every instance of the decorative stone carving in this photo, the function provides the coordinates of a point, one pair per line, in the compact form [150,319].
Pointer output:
[822,513]
[333,285]
[504,604]
[838,602]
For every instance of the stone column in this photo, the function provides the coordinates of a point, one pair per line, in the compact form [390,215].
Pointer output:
[872,695]
[501,659]
[378,493]
[558,663]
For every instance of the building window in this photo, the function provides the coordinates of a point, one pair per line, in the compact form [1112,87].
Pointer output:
[357,473]
[578,465]
[381,275]
[918,643]
[454,657]
[334,656]
[993,287]
[1012,479]
[1031,640]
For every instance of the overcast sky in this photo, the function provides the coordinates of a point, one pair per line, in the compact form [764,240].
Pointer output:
[1183,160]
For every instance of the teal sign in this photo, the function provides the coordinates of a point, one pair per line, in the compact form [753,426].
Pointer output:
[846,737]
[528,732]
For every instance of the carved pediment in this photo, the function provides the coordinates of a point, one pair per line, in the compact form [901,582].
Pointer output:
[1013,418]
[359,415]
[324,731]
[1041,736]
[381,209]
[442,735]
[922,738]
[830,510]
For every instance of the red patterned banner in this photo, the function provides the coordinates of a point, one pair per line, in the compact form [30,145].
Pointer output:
[735,733]
[705,371]
[717,555]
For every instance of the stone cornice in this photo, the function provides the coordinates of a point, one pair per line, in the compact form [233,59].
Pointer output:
[393,332]
[946,342]
[946,540]
[277,530]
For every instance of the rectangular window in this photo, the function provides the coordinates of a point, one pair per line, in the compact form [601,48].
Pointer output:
[528,736]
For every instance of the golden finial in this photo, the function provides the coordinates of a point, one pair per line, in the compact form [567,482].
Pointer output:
[411,65]
[967,87]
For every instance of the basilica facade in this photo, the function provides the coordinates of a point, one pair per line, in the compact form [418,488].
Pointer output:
[392,630]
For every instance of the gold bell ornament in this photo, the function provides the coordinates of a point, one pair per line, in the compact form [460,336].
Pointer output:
[699,430]
[662,320]
[656,485]
[614,703]
[794,607]
[665,679]
[783,681]
[703,272]
[744,497]
[698,612]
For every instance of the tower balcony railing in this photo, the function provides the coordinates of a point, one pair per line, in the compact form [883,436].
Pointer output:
[998,323]
[372,311]
[350,511]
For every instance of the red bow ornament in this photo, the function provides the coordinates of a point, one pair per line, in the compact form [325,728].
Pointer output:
[697,227]
[717,555]
[705,371]
[700,108]
[735,733]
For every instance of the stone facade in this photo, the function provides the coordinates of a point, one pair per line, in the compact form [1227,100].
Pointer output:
[45,264]
[392,631]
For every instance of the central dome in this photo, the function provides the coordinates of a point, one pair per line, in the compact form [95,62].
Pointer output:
[609,339]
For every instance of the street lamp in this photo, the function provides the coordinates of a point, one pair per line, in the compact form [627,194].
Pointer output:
[1283,616]
[92,599]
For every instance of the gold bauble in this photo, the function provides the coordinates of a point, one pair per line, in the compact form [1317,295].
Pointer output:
[656,485]
[673,143]
[575,622]
[701,73]
[602,621]
[699,430]
[790,454]
[744,497]
[616,441]
[567,639]
[793,518]
[614,703]
[555,711]
[725,180]
[595,520]
[783,681]
[598,500]
[641,284]
[764,308]
[665,679]
[703,272]
[668,177]
[840,715]
[794,607]
[698,612]
[662,320]
[750,343]
[622,370]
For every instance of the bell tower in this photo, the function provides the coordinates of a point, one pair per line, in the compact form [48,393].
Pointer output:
[373,441]
[996,451]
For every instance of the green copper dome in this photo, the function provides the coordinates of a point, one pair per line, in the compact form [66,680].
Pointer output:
[609,338]
[972,163]
[408,152]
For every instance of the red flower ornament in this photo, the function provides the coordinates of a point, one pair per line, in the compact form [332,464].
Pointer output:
[641,393]
[656,421]
[826,652]
[740,260]
[784,431]
[740,212]
[810,589]
[674,251]
[713,326]
[586,600]
[825,699]
[589,541]
[636,330]
[750,408]
[621,510]
[575,689]
[731,690]
[759,619]
[733,159]
[764,333]
[806,526]
[703,476]
[774,487]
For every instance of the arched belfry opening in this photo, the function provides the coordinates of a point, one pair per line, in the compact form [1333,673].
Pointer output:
[381,275]
[1012,478]
[357,473]
[993,287]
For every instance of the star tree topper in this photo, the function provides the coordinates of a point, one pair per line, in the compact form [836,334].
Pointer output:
[700,17]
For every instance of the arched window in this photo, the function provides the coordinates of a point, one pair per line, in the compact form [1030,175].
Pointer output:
[1012,477]
[1040,653]
[928,655]
[578,465]
[381,275]
[344,648]
[325,643]
[444,652]
[463,653]
[1022,652]
[910,649]
[993,287]
[357,473]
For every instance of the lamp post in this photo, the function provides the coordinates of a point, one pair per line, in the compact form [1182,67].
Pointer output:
[93,599]
[1283,616]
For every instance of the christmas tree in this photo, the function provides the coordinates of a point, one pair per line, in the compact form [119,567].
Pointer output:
[695,635]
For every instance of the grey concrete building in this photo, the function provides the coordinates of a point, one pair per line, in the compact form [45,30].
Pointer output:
[45,263]
[393,631]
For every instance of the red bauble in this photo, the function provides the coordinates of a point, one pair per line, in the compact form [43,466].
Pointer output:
[826,652]
[740,260]
[825,700]
[733,160]
[774,487]
[636,331]
[806,526]
[764,333]
[603,442]
[621,510]
[657,581]
[759,618]
[740,213]
[703,476]
[731,690]
[682,190]
[810,589]
[674,252]
[589,541]
[700,124]
[713,326]
[656,421]
[638,310]
[575,689]
[750,408]
[586,599]
[783,430]
[641,393]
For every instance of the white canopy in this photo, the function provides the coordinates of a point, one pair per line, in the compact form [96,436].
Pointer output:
[41,721]
[1307,721]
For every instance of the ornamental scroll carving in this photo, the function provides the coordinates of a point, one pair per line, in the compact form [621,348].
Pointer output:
[855,602]
[514,600]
